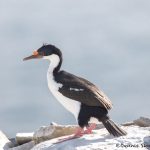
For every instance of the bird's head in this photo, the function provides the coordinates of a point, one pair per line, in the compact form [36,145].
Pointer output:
[50,53]
[45,52]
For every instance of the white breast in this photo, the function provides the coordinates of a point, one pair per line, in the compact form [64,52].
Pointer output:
[71,105]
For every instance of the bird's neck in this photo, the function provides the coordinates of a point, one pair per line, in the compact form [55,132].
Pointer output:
[55,64]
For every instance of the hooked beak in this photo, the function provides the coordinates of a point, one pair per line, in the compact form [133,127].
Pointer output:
[34,56]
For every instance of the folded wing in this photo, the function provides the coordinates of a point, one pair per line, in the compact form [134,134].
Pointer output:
[82,90]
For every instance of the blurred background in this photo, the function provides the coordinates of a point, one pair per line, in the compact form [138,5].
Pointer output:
[106,42]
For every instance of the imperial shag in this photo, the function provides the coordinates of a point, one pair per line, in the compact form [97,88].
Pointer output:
[79,96]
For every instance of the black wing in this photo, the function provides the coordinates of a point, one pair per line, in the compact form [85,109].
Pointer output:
[79,89]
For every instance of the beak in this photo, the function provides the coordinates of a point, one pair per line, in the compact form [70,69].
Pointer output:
[34,56]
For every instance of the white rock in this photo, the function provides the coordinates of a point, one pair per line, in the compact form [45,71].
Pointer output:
[4,142]
[26,146]
[22,138]
[137,138]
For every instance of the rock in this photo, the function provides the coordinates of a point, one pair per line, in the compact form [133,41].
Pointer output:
[14,142]
[53,131]
[26,146]
[22,138]
[45,133]
[53,123]
[137,138]
[4,142]
[142,122]
[128,124]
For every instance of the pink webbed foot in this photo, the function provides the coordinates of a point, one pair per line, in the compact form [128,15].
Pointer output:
[79,132]
[90,128]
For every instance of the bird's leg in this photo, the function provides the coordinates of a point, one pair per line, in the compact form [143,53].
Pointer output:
[90,128]
[78,133]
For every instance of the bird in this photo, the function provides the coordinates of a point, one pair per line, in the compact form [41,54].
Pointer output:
[82,98]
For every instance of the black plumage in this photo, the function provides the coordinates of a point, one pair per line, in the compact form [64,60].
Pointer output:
[86,93]
[93,102]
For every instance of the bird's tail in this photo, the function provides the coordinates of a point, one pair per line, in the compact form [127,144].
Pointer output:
[112,128]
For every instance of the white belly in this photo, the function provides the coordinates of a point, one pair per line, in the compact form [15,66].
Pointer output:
[93,120]
[71,105]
